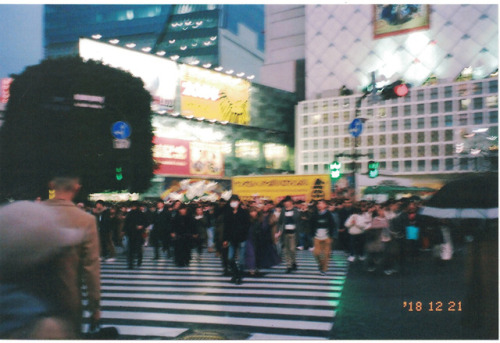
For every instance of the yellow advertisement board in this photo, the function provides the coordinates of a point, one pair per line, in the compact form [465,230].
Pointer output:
[276,187]
[211,95]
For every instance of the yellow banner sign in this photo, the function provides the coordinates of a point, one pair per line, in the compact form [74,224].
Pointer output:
[211,95]
[276,187]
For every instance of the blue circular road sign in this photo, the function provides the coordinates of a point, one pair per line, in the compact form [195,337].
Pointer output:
[356,127]
[121,130]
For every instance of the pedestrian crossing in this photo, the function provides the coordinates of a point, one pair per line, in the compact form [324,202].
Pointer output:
[162,301]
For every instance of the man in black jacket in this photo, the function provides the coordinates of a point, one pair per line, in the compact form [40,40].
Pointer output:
[135,228]
[161,223]
[236,226]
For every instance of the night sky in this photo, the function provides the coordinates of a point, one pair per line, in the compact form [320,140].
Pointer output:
[20,37]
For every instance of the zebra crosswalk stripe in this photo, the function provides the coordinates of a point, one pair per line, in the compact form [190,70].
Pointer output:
[160,300]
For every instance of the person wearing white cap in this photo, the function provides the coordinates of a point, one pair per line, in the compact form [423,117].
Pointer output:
[32,246]
[81,264]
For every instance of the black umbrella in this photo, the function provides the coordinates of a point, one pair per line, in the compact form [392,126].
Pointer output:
[471,197]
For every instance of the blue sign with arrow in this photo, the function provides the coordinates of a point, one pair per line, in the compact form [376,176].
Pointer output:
[356,127]
[121,130]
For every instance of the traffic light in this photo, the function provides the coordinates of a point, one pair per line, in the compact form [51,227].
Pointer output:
[118,173]
[335,169]
[372,169]
[395,90]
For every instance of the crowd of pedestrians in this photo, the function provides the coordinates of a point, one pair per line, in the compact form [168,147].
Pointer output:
[249,236]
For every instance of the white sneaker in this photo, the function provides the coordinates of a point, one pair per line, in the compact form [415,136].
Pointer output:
[112,259]
[362,258]
[351,259]
[300,248]
[311,249]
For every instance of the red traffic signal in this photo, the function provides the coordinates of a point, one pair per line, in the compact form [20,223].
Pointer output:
[394,90]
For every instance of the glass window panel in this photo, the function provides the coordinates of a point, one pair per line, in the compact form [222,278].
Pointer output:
[394,111]
[407,124]
[421,137]
[421,151]
[449,164]
[434,136]
[435,150]
[382,126]
[395,152]
[448,120]
[421,123]
[407,110]
[492,101]
[448,135]
[408,166]
[448,150]
[464,164]
[407,151]
[421,165]
[420,95]
[478,118]
[464,104]
[435,165]
[434,121]
[478,103]
[382,153]
[420,109]
[394,138]
[382,140]
[493,85]
[395,166]
[434,93]
[448,106]
[448,91]
[493,116]
[394,125]
[434,107]
[478,88]
[407,138]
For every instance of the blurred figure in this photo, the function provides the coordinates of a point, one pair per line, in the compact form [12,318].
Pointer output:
[160,230]
[288,223]
[101,212]
[182,235]
[236,226]
[33,250]
[211,218]
[356,225]
[323,227]
[82,262]
[374,247]
[135,229]
[200,230]
[220,249]
[251,242]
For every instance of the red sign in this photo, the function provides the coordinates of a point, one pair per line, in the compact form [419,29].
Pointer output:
[188,158]
[5,90]
[172,155]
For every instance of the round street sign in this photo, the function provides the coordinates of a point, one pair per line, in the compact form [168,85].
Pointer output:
[356,127]
[120,130]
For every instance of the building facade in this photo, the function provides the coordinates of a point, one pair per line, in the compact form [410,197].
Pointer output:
[227,37]
[447,124]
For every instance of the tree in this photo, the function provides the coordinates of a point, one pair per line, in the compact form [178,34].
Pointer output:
[47,132]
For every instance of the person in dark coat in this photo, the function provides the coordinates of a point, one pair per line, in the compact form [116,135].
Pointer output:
[266,252]
[160,229]
[182,235]
[220,249]
[200,230]
[135,229]
[236,226]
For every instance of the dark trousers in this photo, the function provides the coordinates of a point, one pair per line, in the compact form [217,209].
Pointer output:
[356,245]
[182,251]
[134,249]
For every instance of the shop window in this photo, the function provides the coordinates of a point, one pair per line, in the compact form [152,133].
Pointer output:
[382,153]
[434,136]
[435,165]
[434,121]
[448,91]
[421,165]
[434,107]
[407,110]
[448,135]
[478,88]
[407,138]
[448,120]
[464,104]
[395,138]
[493,86]
[395,166]
[420,95]
[493,117]
[395,152]
[421,123]
[478,118]
[478,103]
[407,151]
[408,165]
[462,119]
[492,101]
[420,109]
[382,127]
[382,140]
[449,164]
[421,137]
[448,150]
[421,151]
[434,150]
[448,106]
[394,125]
[407,124]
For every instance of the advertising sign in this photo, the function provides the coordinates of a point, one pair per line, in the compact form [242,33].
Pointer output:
[5,90]
[210,95]
[397,19]
[160,75]
[181,157]
[276,187]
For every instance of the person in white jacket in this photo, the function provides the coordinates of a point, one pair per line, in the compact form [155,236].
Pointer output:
[356,224]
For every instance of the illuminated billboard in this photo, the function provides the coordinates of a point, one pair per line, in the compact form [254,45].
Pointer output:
[188,158]
[160,75]
[397,19]
[211,95]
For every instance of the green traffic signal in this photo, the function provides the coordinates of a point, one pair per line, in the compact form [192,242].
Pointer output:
[335,169]
[372,169]
[118,174]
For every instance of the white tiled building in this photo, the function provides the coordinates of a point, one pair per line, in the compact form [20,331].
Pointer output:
[437,129]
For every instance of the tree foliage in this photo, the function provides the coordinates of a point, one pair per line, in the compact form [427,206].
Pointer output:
[44,134]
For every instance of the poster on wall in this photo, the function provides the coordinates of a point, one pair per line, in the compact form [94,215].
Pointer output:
[188,158]
[211,95]
[398,19]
